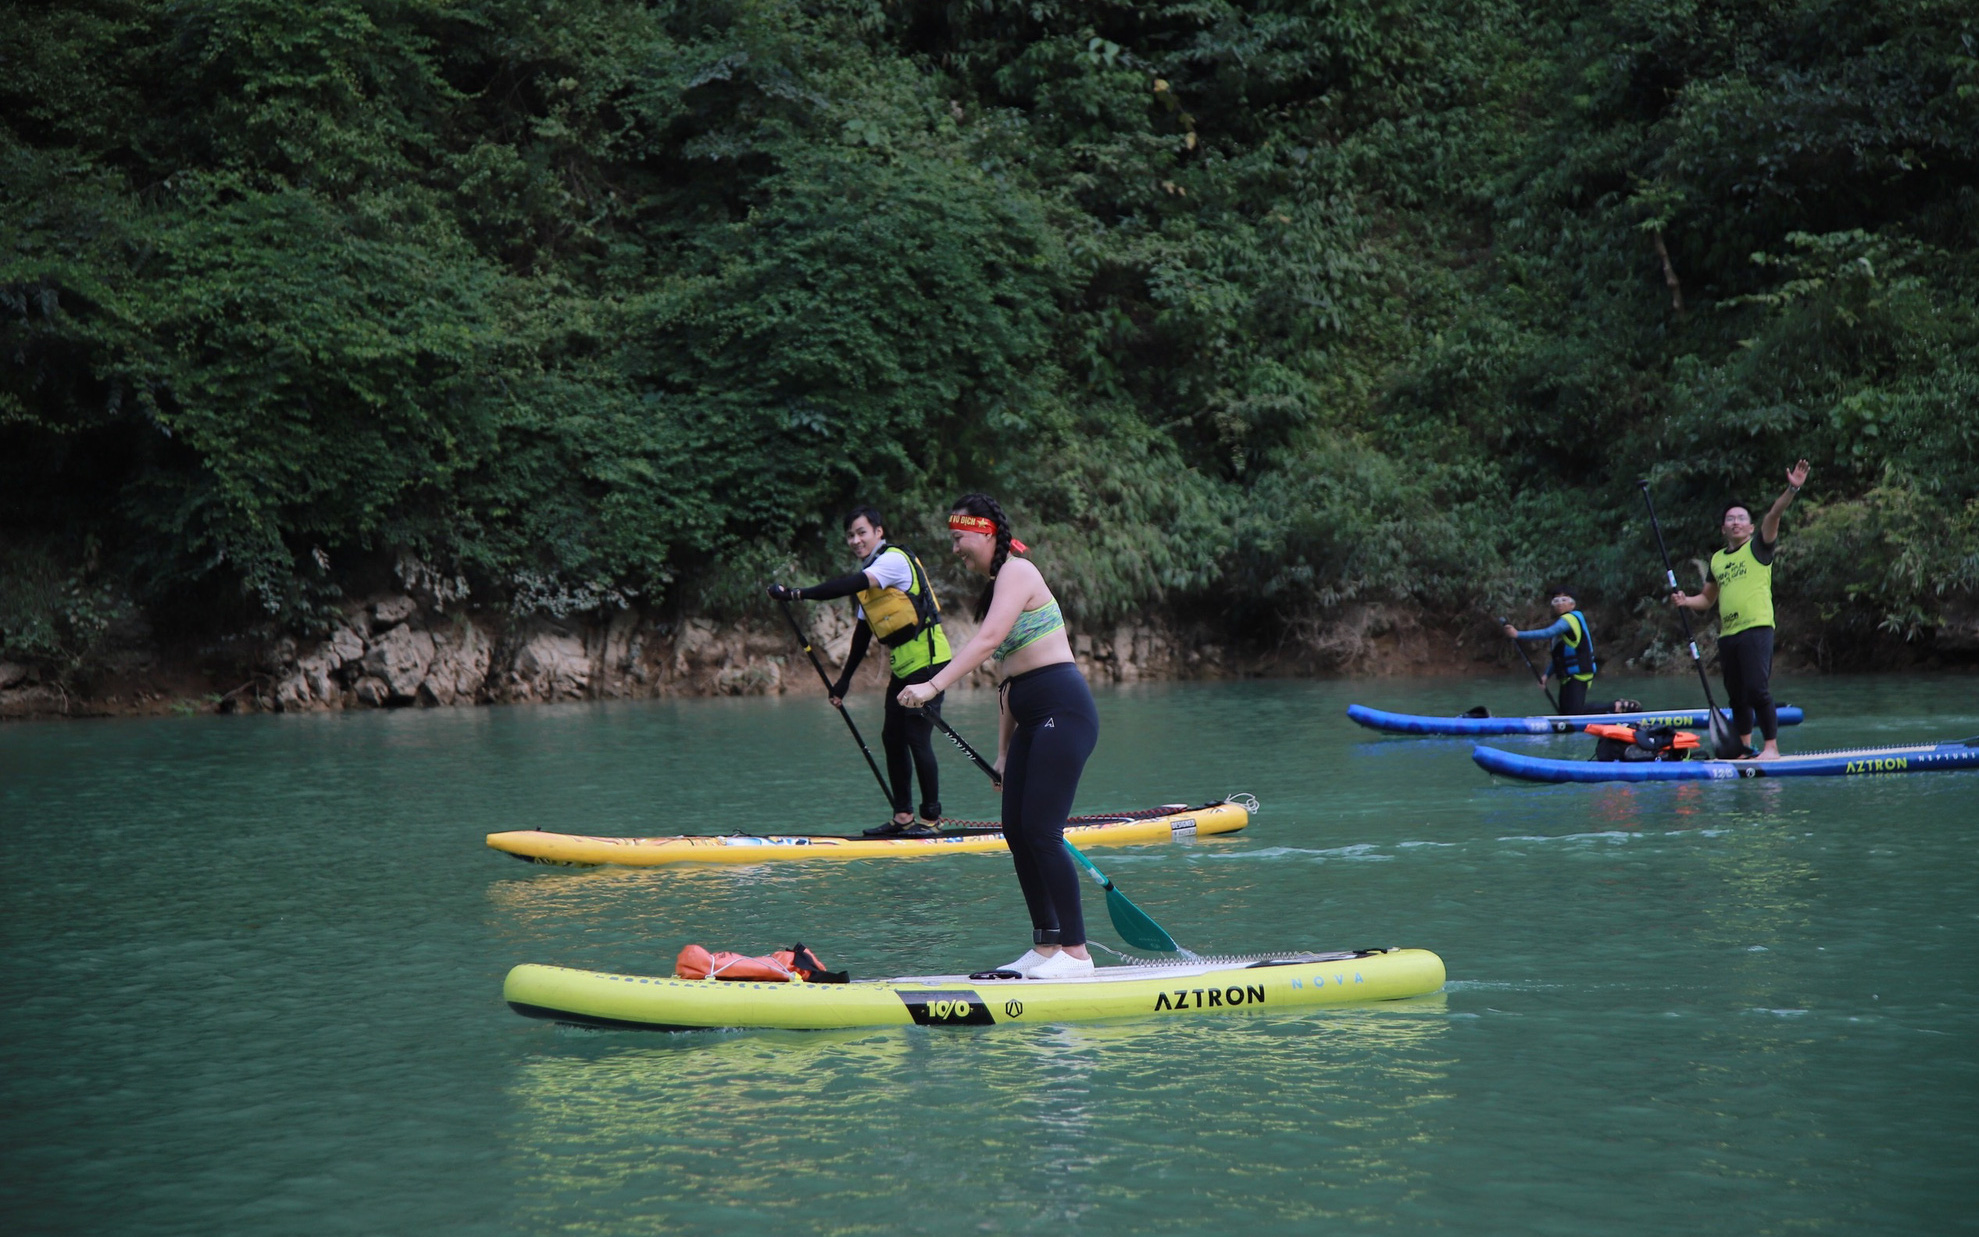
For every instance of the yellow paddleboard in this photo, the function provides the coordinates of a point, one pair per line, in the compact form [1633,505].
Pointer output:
[1161,824]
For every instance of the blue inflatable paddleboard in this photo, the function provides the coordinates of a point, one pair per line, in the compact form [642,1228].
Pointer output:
[1855,762]
[1411,723]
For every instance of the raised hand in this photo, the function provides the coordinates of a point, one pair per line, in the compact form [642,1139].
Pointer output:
[1797,475]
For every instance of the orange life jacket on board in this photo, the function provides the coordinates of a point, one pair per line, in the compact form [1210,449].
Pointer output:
[796,965]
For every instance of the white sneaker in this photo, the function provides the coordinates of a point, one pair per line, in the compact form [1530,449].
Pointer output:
[1023,965]
[1060,965]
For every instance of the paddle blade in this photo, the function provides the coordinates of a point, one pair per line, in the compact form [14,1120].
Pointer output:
[1724,744]
[1130,921]
[1134,927]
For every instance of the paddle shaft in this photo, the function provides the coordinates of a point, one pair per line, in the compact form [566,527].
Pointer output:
[824,678]
[1721,733]
[1135,925]
[968,751]
[1536,676]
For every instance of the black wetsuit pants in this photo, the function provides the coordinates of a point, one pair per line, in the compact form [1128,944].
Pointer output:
[1573,695]
[907,736]
[1057,727]
[1746,661]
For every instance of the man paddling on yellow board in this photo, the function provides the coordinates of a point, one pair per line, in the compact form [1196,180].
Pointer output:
[1741,586]
[898,605]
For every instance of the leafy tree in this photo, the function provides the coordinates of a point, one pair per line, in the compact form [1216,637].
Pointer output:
[1247,309]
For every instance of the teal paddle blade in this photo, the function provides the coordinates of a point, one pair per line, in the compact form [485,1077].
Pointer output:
[1134,926]
[1130,921]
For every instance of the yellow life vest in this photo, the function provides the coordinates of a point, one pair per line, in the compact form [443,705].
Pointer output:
[1745,590]
[908,623]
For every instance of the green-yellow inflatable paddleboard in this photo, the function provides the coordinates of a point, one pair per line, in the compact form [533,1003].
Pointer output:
[1159,990]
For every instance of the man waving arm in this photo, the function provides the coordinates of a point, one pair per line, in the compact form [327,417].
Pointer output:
[1769,526]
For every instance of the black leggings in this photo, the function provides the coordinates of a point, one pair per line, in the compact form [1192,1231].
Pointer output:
[1746,661]
[1573,695]
[907,737]
[1057,727]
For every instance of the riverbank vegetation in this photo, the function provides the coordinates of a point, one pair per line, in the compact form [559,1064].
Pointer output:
[1250,312]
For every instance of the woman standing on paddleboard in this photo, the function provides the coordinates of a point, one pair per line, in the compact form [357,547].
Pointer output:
[1047,728]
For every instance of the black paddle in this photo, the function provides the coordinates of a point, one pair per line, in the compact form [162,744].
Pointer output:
[1536,676]
[1724,744]
[1130,921]
[818,666]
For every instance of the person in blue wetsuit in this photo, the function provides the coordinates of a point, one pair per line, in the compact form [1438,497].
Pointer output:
[1573,652]
[1047,728]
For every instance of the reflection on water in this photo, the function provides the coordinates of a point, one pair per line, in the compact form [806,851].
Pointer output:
[1039,1125]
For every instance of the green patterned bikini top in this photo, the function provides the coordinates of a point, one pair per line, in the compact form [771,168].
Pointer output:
[1030,627]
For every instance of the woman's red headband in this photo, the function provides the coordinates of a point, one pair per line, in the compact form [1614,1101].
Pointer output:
[980,524]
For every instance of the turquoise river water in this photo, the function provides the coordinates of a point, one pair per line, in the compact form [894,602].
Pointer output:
[253,983]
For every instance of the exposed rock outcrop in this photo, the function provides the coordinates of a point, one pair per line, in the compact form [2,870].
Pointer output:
[550,665]
[1133,652]
[400,657]
[394,609]
[459,668]
[391,652]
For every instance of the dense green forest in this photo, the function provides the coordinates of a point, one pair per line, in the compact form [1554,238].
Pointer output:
[1249,311]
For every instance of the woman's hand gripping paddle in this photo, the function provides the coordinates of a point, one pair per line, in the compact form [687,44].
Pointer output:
[1724,744]
[824,678]
[1536,676]
[1130,921]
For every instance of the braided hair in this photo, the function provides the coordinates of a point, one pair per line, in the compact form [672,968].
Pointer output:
[988,508]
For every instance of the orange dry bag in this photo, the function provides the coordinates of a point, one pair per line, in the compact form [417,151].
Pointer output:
[788,966]
[1618,742]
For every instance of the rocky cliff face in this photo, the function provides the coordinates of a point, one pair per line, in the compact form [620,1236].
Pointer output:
[391,652]
[394,651]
